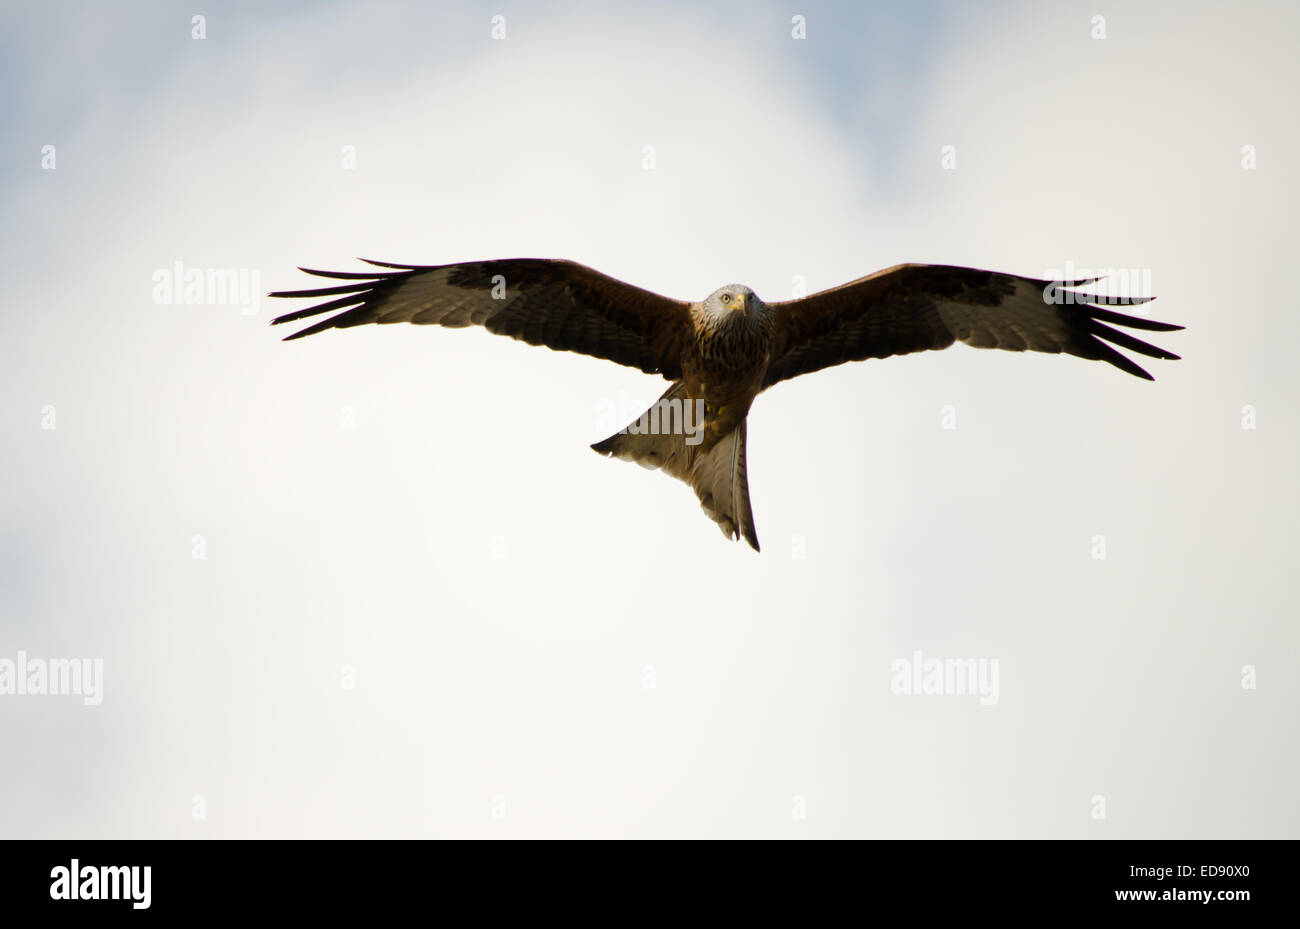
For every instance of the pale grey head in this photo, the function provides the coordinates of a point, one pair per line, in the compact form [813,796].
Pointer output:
[733,305]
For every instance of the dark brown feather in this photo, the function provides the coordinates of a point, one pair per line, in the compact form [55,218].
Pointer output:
[912,308]
[560,304]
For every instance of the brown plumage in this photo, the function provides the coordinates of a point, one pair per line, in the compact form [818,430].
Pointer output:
[721,352]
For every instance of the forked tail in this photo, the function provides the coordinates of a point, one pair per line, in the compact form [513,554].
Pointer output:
[672,436]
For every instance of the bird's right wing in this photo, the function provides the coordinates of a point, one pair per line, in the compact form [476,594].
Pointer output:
[560,304]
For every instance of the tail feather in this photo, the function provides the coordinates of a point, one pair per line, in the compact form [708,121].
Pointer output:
[715,467]
[722,484]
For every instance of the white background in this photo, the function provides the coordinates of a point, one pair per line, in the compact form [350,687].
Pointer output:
[509,697]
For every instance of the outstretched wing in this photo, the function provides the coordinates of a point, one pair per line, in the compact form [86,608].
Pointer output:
[915,307]
[561,304]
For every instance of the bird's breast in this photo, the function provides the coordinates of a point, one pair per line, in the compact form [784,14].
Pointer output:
[732,348]
[726,372]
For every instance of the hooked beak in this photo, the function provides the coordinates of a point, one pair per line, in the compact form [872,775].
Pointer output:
[742,304]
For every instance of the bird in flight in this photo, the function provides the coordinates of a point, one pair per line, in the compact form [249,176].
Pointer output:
[723,351]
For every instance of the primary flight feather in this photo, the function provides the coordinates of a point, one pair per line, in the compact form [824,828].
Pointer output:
[723,351]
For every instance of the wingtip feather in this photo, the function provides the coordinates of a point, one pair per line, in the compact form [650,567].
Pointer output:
[389,264]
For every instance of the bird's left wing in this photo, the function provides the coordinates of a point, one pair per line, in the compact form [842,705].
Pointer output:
[915,307]
[560,304]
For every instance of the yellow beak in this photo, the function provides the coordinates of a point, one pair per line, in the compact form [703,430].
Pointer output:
[741,303]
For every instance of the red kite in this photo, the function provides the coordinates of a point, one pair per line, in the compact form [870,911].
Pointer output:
[723,351]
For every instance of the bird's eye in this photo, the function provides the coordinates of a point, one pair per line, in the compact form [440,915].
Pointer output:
[726,298]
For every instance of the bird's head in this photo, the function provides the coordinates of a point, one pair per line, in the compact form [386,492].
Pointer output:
[734,304]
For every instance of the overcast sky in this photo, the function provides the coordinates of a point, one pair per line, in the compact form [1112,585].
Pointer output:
[374,583]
